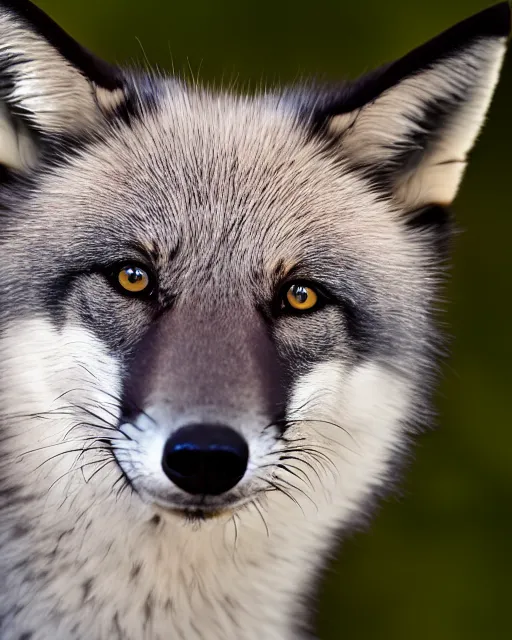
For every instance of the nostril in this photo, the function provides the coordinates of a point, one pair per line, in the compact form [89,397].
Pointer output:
[205,459]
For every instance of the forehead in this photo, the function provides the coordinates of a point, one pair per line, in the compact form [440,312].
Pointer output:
[214,174]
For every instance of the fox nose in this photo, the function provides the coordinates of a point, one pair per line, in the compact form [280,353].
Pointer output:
[205,459]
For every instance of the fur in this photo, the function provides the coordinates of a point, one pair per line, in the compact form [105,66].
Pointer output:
[225,200]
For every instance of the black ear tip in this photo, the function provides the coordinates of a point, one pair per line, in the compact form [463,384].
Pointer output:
[506,17]
[494,21]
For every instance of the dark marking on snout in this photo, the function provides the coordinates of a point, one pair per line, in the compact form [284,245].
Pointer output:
[222,361]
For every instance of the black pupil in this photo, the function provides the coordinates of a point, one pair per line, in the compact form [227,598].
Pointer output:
[134,274]
[300,293]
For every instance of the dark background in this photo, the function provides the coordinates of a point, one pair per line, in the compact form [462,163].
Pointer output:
[436,563]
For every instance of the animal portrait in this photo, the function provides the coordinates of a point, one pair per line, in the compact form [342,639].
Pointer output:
[219,331]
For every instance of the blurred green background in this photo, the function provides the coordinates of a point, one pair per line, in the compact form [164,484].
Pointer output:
[437,562]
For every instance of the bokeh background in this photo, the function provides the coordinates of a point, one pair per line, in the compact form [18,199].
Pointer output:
[436,562]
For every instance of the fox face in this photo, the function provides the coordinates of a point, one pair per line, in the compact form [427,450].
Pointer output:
[217,311]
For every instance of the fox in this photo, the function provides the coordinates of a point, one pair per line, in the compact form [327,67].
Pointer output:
[218,333]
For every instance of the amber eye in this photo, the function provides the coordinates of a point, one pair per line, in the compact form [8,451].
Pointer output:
[301,297]
[133,279]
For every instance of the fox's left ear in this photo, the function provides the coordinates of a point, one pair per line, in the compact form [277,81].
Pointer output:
[413,122]
[49,84]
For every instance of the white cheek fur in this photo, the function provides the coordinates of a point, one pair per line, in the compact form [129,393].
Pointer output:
[261,550]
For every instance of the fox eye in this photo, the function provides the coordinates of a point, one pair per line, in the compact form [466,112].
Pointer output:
[133,279]
[301,297]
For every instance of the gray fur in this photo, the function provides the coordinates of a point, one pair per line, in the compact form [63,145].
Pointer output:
[225,199]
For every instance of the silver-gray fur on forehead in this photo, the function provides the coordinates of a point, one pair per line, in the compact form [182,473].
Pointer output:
[416,119]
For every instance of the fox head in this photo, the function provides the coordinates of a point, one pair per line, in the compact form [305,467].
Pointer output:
[222,303]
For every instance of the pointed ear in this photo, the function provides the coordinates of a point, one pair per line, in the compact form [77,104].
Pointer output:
[412,123]
[49,84]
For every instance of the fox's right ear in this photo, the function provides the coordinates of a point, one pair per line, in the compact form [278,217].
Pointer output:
[49,84]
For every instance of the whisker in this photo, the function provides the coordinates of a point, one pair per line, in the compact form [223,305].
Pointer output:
[236,532]
[276,487]
[288,467]
[79,451]
[256,506]
[74,470]
[322,421]
[55,444]
[98,470]
[292,486]
[306,462]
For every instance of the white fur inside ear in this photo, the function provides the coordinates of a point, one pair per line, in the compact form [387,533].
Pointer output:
[17,149]
[53,95]
[375,133]
[108,99]
[47,88]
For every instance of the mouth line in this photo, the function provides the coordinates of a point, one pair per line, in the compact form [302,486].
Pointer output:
[201,511]
[200,515]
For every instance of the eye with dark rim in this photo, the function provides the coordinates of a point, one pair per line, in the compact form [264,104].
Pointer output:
[300,297]
[132,279]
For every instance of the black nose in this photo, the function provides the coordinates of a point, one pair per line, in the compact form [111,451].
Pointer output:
[205,459]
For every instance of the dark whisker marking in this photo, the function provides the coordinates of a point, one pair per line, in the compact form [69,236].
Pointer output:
[235,545]
[287,440]
[98,470]
[277,421]
[306,462]
[307,449]
[134,406]
[61,443]
[79,451]
[288,467]
[256,506]
[292,486]
[65,393]
[121,481]
[90,425]
[114,427]
[317,455]
[308,401]
[83,475]
[112,415]
[42,415]
[276,487]
[273,465]
[74,470]
[321,421]
[93,414]
[129,481]
[82,366]
[68,409]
